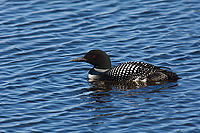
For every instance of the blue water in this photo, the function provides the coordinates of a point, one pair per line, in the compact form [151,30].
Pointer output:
[41,91]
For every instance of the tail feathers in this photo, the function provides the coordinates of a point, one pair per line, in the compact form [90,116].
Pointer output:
[171,75]
[162,75]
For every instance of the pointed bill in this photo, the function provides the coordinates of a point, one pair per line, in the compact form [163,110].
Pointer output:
[80,59]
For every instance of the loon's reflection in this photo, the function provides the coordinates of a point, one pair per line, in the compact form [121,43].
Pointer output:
[102,90]
[123,85]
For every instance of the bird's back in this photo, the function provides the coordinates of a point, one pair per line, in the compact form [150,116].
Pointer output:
[137,71]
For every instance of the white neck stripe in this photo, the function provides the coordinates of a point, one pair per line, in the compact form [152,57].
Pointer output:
[101,70]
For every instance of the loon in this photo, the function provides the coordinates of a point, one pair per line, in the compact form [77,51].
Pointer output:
[129,71]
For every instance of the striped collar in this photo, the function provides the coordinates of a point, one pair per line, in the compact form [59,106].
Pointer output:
[95,73]
[100,70]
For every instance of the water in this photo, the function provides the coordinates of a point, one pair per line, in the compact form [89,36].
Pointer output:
[41,91]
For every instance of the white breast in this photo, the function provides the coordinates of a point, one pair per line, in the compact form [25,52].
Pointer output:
[93,77]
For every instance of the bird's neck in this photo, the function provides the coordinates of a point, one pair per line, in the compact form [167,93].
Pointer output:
[97,71]
[94,73]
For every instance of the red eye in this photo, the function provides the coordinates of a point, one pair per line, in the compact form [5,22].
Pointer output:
[93,56]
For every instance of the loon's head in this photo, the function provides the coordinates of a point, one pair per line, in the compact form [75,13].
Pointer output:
[97,58]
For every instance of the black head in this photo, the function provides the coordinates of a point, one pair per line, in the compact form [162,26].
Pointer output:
[97,58]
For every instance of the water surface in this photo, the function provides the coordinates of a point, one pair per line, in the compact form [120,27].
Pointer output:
[41,91]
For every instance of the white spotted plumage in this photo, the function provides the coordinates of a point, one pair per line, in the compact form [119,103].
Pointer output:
[130,71]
